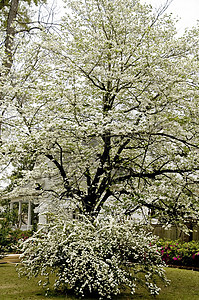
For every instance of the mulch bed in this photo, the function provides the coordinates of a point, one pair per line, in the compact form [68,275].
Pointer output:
[184,267]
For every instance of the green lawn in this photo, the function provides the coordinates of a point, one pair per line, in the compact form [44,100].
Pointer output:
[184,286]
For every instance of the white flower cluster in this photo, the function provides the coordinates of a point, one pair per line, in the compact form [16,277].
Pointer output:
[93,259]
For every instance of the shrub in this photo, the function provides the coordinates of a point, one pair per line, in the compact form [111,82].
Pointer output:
[9,238]
[5,241]
[89,258]
[2,252]
[179,253]
[17,236]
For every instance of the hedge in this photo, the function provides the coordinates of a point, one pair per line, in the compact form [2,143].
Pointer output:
[179,253]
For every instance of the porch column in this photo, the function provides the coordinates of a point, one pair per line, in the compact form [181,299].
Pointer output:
[29,215]
[20,214]
[11,206]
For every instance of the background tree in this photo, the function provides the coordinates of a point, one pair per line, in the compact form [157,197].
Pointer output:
[112,103]
[19,22]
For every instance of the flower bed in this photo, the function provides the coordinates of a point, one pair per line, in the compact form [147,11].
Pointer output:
[11,239]
[180,253]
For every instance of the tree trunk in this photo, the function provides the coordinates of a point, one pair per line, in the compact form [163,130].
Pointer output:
[8,58]
[10,34]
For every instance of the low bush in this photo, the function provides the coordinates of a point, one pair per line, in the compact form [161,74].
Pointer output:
[179,253]
[17,236]
[99,259]
[9,238]
[2,252]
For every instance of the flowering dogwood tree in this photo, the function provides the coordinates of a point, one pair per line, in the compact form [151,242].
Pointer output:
[110,99]
[105,106]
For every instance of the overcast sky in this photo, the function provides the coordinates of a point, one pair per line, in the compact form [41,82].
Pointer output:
[186,10]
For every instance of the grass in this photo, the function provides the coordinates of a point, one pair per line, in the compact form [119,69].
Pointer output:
[184,286]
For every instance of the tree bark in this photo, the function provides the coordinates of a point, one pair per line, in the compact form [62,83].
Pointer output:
[8,57]
[10,34]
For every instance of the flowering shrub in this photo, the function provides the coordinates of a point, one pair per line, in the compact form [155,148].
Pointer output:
[87,258]
[9,238]
[6,244]
[179,253]
[17,236]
